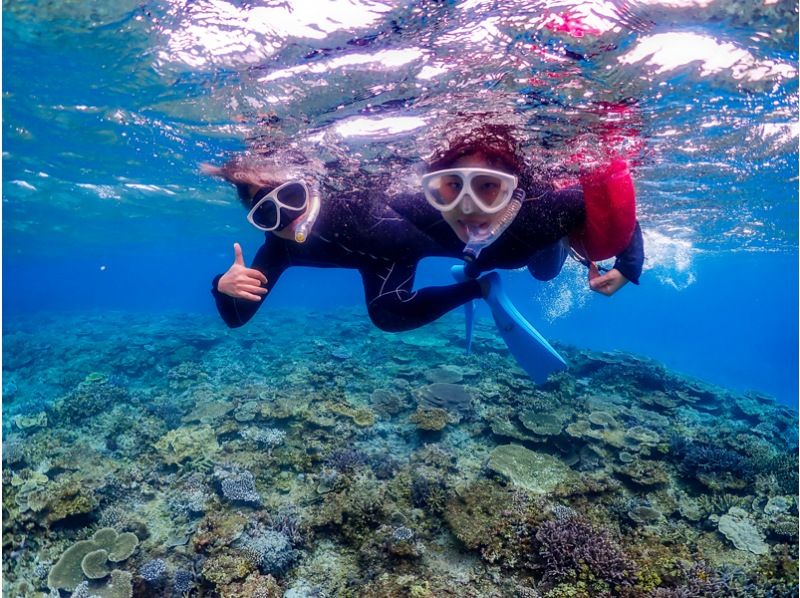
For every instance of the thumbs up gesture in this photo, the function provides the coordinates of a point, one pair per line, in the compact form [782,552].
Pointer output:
[241,282]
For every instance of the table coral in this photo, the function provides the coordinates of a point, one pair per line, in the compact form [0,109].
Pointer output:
[188,443]
[105,544]
[534,471]
[737,526]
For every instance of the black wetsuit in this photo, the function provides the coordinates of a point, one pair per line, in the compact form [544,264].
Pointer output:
[385,239]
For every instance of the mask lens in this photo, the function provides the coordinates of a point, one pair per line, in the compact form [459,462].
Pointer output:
[266,215]
[489,190]
[293,196]
[445,189]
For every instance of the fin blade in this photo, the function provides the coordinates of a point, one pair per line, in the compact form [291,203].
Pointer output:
[460,275]
[531,350]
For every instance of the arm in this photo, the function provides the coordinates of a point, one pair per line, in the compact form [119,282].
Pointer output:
[610,228]
[239,292]
[627,267]
[630,261]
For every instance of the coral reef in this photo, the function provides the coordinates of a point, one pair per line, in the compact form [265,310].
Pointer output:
[181,459]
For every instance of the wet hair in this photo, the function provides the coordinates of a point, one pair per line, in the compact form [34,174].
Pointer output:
[493,142]
[261,170]
[496,144]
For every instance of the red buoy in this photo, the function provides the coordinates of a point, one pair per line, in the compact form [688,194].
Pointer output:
[610,212]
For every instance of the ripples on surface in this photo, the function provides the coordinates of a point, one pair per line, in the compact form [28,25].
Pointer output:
[127,98]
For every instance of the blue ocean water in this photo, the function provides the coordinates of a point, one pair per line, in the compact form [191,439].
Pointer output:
[305,452]
[717,328]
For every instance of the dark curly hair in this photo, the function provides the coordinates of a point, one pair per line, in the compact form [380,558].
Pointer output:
[497,144]
[263,170]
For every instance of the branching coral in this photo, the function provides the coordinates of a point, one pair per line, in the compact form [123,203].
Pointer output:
[570,548]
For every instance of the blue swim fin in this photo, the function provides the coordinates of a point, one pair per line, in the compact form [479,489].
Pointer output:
[469,307]
[531,350]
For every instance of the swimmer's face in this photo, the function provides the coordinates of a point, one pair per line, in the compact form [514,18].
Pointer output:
[467,213]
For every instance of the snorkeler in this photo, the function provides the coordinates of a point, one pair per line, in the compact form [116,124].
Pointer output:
[477,195]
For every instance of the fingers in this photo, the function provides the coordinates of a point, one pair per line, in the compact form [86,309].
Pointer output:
[248,296]
[605,284]
[250,292]
[238,260]
[238,257]
[237,283]
[606,290]
[594,272]
[256,274]
[253,289]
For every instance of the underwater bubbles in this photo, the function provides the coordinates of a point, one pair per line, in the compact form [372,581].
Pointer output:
[670,259]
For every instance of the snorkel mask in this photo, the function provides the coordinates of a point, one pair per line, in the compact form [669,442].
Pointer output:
[281,207]
[490,191]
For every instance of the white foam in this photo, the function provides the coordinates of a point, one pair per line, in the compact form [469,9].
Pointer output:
[670,258]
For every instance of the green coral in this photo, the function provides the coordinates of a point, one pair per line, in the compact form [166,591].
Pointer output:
[193,444]
[225,569]
[537,472]
[495,521]
[90,397]
[74,567]
[67,500]
[431,420]
[94,564]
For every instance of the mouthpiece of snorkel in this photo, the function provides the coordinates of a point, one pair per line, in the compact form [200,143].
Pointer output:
[479,240]
[303,229]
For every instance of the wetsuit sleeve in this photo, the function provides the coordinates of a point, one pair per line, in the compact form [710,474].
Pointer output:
[631,260]
[271,260]
[394,307]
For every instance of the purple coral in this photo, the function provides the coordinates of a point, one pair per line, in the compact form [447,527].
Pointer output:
[237,485]
[285,522]
[701,457]
[570,545]
[384,466]
[182,582]
[270,550]
[346,460]
[153,571]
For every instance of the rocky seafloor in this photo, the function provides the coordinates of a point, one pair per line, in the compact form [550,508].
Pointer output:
[311,455]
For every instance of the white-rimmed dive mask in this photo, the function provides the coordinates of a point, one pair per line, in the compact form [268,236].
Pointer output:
[489,190]
[274,210]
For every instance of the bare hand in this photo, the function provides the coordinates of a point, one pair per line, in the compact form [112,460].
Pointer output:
[241,282]
[606,284]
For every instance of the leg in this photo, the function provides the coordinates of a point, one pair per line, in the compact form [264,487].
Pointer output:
[546,263]
[394,307]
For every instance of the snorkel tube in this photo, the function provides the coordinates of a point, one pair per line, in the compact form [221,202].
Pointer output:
[302,227]
[479,241]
